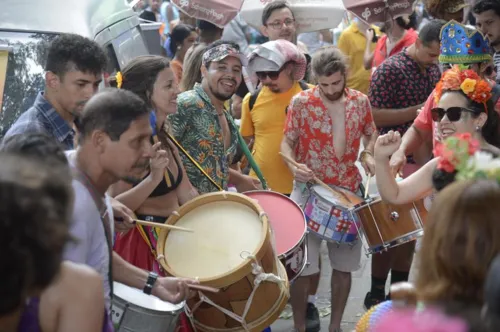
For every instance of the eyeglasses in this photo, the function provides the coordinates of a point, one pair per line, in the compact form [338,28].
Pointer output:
[453,113]
[279,25]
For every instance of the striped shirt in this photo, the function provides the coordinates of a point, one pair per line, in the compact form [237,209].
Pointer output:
[496,60]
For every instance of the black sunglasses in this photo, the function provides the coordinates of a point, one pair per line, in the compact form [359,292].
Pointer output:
[273,75]
[453,113]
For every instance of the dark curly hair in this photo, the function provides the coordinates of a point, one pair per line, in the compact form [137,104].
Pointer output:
[112,111]
[34,225]
[140,74]
[73,50]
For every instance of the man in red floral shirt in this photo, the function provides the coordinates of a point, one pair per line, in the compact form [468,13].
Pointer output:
[323,132]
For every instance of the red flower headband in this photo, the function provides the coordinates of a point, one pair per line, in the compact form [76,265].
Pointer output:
[454,153]
[468,81]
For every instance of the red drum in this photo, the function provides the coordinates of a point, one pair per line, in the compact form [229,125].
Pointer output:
[289,227]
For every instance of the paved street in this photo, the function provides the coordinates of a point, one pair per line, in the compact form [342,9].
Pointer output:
[354,309]
[360,286]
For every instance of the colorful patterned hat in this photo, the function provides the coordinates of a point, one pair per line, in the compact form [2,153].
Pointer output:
[460,44]
[371,318]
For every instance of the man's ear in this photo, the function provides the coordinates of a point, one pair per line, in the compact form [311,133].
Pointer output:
[203,70]
[52,81]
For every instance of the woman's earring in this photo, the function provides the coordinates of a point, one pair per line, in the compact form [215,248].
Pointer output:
[478,128]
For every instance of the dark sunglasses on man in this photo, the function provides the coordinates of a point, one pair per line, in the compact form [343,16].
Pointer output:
[453,113]
[273,75]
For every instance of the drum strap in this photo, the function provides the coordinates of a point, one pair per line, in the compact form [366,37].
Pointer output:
[145,237]
[195,163]
[103,213]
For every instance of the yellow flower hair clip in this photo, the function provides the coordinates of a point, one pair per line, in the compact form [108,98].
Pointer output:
[119,80]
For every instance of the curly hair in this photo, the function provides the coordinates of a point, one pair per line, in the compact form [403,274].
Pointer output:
[34,225]
[460,243]
[69,50]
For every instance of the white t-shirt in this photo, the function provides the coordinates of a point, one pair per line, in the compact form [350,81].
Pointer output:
[89,246]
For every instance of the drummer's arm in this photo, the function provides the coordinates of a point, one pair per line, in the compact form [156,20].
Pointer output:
[408,190]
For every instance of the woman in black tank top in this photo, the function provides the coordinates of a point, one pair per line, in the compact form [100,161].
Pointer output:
[159,191]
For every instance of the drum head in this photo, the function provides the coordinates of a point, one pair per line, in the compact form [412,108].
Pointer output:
[138,298]
[286,218]
[225,233]
[345,198]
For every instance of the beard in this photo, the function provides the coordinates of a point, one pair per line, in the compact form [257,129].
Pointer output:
[337,95]
[221,95]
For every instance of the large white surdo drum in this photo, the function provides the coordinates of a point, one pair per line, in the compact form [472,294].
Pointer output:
[232,249]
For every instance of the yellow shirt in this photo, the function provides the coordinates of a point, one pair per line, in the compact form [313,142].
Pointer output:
[352,43]
[266,122]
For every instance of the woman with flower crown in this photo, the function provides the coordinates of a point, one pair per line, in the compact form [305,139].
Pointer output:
[464,108]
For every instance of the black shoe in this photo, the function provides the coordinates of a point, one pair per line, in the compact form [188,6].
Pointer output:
[312,318]
[371,301]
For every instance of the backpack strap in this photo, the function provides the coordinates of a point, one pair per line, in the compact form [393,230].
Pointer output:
[303,85]
[253,99]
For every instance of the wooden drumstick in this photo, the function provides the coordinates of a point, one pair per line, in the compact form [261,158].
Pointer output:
[204,288]
[318,181]
[367,187]
[165,226]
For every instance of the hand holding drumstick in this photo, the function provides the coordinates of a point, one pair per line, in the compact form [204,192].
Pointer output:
[302,173]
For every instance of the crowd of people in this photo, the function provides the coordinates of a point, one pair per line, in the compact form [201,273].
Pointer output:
[418,96]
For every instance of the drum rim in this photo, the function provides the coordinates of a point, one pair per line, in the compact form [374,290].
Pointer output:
[304,234]
[237,272]
[312,189]
[179,306]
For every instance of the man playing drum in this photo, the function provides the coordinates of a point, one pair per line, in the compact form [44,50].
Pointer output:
[323,132]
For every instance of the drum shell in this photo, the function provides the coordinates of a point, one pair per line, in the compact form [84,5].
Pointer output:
[294,259]
[138,319]
[237,285]
[332,221]
[378,216]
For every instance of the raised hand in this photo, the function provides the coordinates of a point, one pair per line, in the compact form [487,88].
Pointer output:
[387,144]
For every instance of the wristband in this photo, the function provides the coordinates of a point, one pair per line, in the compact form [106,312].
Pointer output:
[148,288]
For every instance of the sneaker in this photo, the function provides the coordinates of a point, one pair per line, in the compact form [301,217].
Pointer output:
[371,301]
[312,318]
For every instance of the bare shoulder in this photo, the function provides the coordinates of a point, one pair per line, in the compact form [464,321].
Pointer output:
[75,276]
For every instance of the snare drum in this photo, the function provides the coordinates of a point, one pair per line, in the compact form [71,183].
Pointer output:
[230,249]
[289,228]
[386,225]
[330,216]
[134,311]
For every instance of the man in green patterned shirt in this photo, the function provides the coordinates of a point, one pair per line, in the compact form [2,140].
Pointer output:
[205,129]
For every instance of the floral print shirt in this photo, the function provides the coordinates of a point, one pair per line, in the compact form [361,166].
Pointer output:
[196,127]
[309,125]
